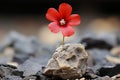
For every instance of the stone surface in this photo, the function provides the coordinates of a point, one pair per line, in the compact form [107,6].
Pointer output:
[30,78]
[99,56]
[68,62]
[110,38]
[95,43]
[91,60]
[6,70]
[90,74]
[103,78]
[6,55]
[21,57]
[116,77]
[116,51]
[12,78]
[109,71]
[113,59]
[17,41]
[118,39]
[30,67]
[40,76]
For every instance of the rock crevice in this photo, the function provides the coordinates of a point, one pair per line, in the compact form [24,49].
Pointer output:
[68,61]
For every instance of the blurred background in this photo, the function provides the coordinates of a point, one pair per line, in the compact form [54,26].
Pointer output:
[27,43]
[28,17]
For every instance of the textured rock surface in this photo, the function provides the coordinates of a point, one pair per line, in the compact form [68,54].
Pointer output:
[6,70]
[103,78]
[29,67]
[68,61]
[12,78]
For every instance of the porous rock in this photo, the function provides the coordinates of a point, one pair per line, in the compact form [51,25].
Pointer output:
[68,62]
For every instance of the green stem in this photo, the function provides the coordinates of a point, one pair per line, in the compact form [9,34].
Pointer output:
[63,40]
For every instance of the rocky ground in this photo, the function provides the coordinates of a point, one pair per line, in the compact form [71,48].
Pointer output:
[25,58]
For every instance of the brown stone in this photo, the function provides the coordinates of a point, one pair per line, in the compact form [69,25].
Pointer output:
[68,62]
[116,51]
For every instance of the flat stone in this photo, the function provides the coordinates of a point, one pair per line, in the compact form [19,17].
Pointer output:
[99,56]
[113,59]
[103,78]
[30,78]
[12,78]
[116,51]
[6,55]
[95,43]
[109,71]
[68,61]
[17,73]
[90,74]
[91,60]
[30,45]
[30,67]
[6,70]
[110,38]
[21,57]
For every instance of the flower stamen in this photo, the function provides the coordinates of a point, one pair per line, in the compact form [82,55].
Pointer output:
[62,22]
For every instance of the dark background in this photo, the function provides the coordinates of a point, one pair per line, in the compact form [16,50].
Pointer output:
[37,7]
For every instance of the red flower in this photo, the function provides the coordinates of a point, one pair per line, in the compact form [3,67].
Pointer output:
[62,20]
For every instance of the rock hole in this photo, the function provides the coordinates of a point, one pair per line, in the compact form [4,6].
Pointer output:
[73,58]
[78,50]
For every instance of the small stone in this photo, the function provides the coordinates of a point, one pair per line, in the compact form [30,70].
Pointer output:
[95,43]
[12,78]
[113,59]
[13,63]
[30,78]
[68,62]
[82,79]
[30,67]
[7,55]
[116,77]
[103,78]
[90,74]
[40,76]
[6,70]
[116,51]
[17,73]
[90,61]
[99,58]
[30,46]
[21,57]
[109,71]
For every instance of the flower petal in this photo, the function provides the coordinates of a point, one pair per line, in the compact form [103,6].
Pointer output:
[65,10]
[74,20]
[67,31]
[52,14]
[53,26]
